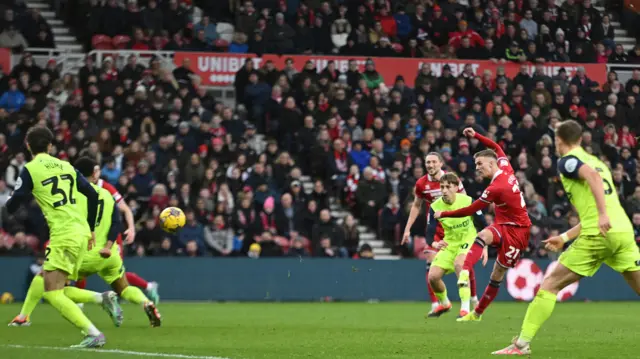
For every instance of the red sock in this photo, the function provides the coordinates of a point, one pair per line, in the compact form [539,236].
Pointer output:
[472,282]
[432,295]
[474,255]
[82,284]
[489,295]
[136,281]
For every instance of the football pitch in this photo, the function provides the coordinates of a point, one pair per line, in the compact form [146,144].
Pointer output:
[325,331]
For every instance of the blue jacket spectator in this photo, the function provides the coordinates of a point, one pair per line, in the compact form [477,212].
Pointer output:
[110,172]
[12,100]
[143,181]
[192,231]
[257,94]
[238,48]
[209,28]
[359,156]
[403,23]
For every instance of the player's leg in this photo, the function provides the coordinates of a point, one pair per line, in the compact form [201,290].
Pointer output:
[463,291]
[430,255]
[484,238]
[540,309]
[472,286]
[582,259]
[34,295]
[490,293]
[151,288]
[114,274]
[63,262]
[626,259]
[440,290]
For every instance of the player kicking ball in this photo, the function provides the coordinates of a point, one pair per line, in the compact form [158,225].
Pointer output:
[459,234]
[55,185]
[511,229]
[604,235]
[103,260]
[427,190]
[150,288]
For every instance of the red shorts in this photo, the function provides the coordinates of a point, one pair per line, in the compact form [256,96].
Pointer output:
[428,248]
[511,242]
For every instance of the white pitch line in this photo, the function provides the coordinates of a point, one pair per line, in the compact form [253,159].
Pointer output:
[113,351]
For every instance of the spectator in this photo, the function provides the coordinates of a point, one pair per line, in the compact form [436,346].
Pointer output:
[192,234]
[12,39]
[13,99]
[298,249]
[209,29]
[219,237]
[370,197]
[268,245]
[390,220]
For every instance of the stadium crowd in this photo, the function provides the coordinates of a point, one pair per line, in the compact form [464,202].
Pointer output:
[512,30]
[163,140]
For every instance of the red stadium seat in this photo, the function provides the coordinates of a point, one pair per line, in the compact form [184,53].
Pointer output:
[221,43]
[101,42]
[121,41]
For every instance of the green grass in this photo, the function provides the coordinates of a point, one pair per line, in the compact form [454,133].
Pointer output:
[329,331]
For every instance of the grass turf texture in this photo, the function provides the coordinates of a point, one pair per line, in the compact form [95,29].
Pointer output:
[327,331]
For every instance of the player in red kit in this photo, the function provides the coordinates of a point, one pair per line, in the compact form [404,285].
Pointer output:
[511,228]
[151,288]
[427,190]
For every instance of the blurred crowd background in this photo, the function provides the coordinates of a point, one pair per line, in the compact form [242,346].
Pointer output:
[355,140]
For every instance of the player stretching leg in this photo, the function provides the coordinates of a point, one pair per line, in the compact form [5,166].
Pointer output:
[108,300]
[459,234]
[427,190]
[105,260]
[54,183]
[151,288]
[511,229]
[604,235]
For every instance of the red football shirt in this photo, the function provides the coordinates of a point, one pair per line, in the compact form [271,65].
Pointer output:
[504,192]
[428,189]
[116,197]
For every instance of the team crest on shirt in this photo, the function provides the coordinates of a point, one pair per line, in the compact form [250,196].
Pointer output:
[427,187]
[570,165]
[485,194]
[503,162]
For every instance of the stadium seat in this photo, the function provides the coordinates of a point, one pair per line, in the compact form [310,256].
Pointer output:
[225,31]
[221,43]
[102,42]
[121,41]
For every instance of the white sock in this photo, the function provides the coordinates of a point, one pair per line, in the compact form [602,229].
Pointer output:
[465,305]
[521,343]
[93,331]
[446,301]
[474,299]
[434,305]
[97,297]
[151,285]
[22,317]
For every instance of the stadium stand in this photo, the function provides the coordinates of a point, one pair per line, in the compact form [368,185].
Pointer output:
[320,155]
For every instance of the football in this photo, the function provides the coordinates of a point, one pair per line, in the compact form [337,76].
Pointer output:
[172,219]
[6,298]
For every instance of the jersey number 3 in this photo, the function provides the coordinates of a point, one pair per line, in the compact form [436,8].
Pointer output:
[67,197]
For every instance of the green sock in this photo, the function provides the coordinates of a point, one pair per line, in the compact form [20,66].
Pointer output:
[538,312]
[70,311]
[442,297]
[82,295]
[34,294]
[134,295]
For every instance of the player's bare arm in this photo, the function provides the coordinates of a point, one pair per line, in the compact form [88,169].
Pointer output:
[130,233]
[556,243]
[593,179]
[416,207]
